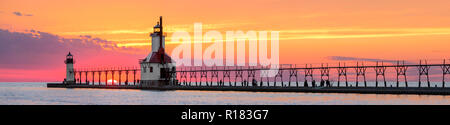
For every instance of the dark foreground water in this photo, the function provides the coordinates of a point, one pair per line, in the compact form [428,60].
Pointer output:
[39,94]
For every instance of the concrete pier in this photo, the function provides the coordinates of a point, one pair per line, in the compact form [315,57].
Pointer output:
[359,90]
[60,85]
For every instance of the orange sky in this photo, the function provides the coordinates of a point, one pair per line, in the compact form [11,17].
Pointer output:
[310,30]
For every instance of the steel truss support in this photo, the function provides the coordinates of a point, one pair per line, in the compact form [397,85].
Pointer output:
[238,74]
[423,70]
[99,77]
[86,77]
[380,70]
[264,73]
[183,74]
[401,69]
[204,74]
[360,71]
[81,74]
[193,74]
[75,76]
[279,74]
[120,76]
[134,77]
[324,73]
[113,72]
[445,70]
[250,74]
[214,74]
[126,81]
[309,72]
[79,77]
[93,75]
[226,74]
[106,79]
[293,73]
[342,71]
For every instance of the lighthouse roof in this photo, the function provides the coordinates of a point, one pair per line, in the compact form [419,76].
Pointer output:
[155,57]
[70,54]
[157,25]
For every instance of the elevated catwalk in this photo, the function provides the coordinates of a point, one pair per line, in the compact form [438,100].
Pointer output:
[159,72]
[195,78]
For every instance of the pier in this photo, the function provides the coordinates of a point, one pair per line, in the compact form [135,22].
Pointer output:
[158,71]
[285,73]
[252,79]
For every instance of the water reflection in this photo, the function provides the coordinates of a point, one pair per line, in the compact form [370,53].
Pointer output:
[37,93]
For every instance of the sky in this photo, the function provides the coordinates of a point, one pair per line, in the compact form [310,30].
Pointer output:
[37,34]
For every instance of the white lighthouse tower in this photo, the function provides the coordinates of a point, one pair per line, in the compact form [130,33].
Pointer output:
[157,68]
[70,76]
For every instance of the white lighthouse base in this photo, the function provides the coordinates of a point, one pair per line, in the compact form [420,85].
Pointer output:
[154,83]
[69,82]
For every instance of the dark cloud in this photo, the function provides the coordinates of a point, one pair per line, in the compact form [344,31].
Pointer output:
[17,13]
[41,50]
[343,58]
[86,36]
[21,14]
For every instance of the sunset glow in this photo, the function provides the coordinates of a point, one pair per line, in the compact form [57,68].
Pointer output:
[110,81]
[104,33]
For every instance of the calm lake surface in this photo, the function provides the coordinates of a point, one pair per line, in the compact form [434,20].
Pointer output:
[39,94]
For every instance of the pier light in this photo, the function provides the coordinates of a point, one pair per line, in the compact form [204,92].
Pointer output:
[157,28]
[69,58]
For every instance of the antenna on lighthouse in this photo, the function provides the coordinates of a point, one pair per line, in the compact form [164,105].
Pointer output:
[161,25]
[161,39]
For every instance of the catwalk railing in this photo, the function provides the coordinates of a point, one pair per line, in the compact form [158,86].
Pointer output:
[95,75]
[246,75]
[259,75]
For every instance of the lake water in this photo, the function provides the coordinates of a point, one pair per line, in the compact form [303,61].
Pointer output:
[39,94]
